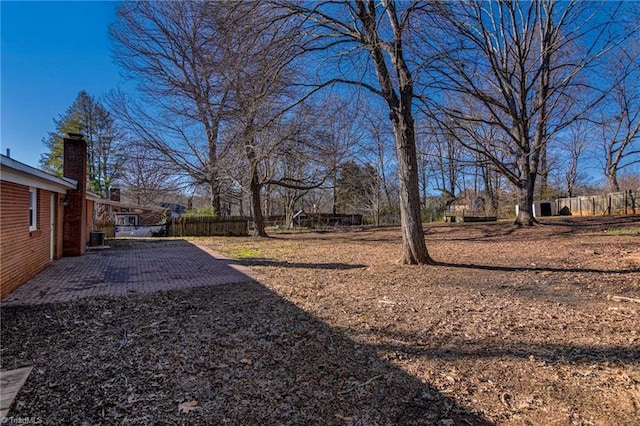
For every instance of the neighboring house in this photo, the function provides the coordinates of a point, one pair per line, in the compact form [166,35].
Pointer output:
[42,217]
[469,208]
[176,210]
[133,215]
[127,214]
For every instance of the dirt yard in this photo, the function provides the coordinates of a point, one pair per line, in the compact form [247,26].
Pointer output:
[512,327]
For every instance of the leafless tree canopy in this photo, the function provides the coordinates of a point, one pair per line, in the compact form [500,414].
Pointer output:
[521,69]
[261,102]
[619,120]
[172,50]
[365,44]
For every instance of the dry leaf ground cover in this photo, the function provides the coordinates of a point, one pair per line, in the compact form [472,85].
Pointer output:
[514,326]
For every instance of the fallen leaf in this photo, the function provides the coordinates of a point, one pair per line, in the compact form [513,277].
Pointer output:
[188,406]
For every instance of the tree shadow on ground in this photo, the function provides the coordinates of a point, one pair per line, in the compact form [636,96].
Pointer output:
[486,231]
[535,268]
[225,354]
[579,224]
[451,347]
[254,261]
[545,228]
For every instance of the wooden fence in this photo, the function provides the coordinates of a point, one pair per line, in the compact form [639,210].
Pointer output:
[614,203]
[106,226]
[206,226]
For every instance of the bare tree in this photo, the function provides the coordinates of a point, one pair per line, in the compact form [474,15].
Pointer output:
[308,158]
[172,50]
[519,67]
[377,147]
[571,152]
[444,155]
[221,77]
[261,52]
[146,179]
[620,115]
[368,37]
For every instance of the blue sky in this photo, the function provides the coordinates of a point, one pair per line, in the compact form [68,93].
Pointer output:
[49,52]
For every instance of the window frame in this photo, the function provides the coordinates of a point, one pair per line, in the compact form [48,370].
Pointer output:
[33,209]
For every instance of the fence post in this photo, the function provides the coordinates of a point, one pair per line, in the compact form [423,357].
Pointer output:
[625,201]
[580,205]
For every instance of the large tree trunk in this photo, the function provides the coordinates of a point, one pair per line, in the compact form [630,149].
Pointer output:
[255,187]
[241,203]
[526,187]
[212,173]
[525,206]
[256,203]
[414,246]
[544,173]
[290,199]
[400,105]
[612,178]
[215,195]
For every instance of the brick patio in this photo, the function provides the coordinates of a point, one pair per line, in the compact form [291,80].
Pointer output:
[154,266]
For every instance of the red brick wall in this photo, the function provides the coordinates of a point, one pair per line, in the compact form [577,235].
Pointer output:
[75,218]
[23,253]
[59,226]
[89,226]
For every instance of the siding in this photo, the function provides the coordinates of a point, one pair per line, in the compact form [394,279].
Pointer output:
[23,253]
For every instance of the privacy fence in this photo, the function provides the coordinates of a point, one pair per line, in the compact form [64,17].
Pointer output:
[614,203]
[206,226]
[107,226]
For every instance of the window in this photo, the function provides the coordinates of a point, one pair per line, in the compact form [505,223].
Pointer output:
[33,209]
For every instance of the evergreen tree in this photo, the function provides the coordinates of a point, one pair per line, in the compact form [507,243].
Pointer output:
[104,153]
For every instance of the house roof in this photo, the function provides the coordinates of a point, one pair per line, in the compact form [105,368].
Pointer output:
[120,204]
[93,196]
[20,173]
[23,174]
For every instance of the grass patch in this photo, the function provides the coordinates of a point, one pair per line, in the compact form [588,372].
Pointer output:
[623,231]
[239,253]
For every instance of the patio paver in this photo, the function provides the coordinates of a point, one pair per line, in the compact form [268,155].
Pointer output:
[156,266]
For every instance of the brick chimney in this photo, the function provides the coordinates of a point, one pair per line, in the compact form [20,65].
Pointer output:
[114,194]
[75,213]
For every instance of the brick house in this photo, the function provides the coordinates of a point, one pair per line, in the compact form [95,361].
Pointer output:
[42,217]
